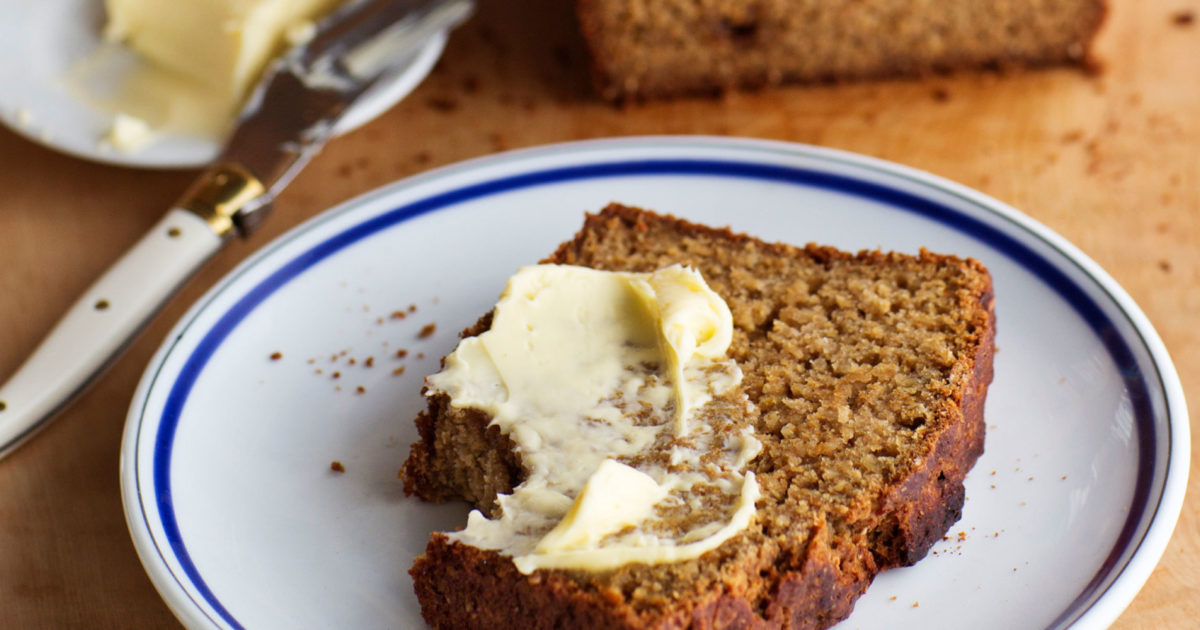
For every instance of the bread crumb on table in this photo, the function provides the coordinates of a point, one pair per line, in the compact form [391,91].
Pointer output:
[337,466]
[442,103]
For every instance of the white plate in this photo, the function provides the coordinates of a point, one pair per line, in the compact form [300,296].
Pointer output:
[40,43]
[226,457]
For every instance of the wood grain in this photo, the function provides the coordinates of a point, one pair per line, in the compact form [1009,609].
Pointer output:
[1108,161]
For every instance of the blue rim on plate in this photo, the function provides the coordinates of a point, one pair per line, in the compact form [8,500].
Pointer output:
[1157,416]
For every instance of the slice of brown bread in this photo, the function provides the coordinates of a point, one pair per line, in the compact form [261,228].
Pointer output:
[655,48]
[867,374]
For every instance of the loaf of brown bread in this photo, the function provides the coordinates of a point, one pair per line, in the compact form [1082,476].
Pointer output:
[656,48]
[867,375]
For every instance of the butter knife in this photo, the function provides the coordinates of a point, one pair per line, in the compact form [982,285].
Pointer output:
[287,119]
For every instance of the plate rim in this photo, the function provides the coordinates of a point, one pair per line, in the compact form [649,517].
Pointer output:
[1104,606]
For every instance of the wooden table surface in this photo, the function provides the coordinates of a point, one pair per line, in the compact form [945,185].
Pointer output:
[1111,162]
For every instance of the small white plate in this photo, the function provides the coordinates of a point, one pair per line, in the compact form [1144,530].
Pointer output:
[226,458]
[41,42]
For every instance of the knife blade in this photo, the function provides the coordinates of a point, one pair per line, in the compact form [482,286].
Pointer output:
[285,122]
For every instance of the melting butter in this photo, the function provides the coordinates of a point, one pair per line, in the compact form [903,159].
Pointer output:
[603,381]
[692,321]
[615,496]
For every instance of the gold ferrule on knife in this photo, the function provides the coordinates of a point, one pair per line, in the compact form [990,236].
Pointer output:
[220,194]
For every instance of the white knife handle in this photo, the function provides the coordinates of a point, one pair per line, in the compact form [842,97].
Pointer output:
[102,322]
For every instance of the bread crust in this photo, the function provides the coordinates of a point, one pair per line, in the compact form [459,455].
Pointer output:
[811,585]
[460,586]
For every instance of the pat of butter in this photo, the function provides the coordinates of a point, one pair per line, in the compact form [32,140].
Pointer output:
[203,56]
[584,369]
[646,549]
[614,497]
[691,324]
[223,44]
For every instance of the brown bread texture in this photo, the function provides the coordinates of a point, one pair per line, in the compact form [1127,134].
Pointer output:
[867,373]
[657,48]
